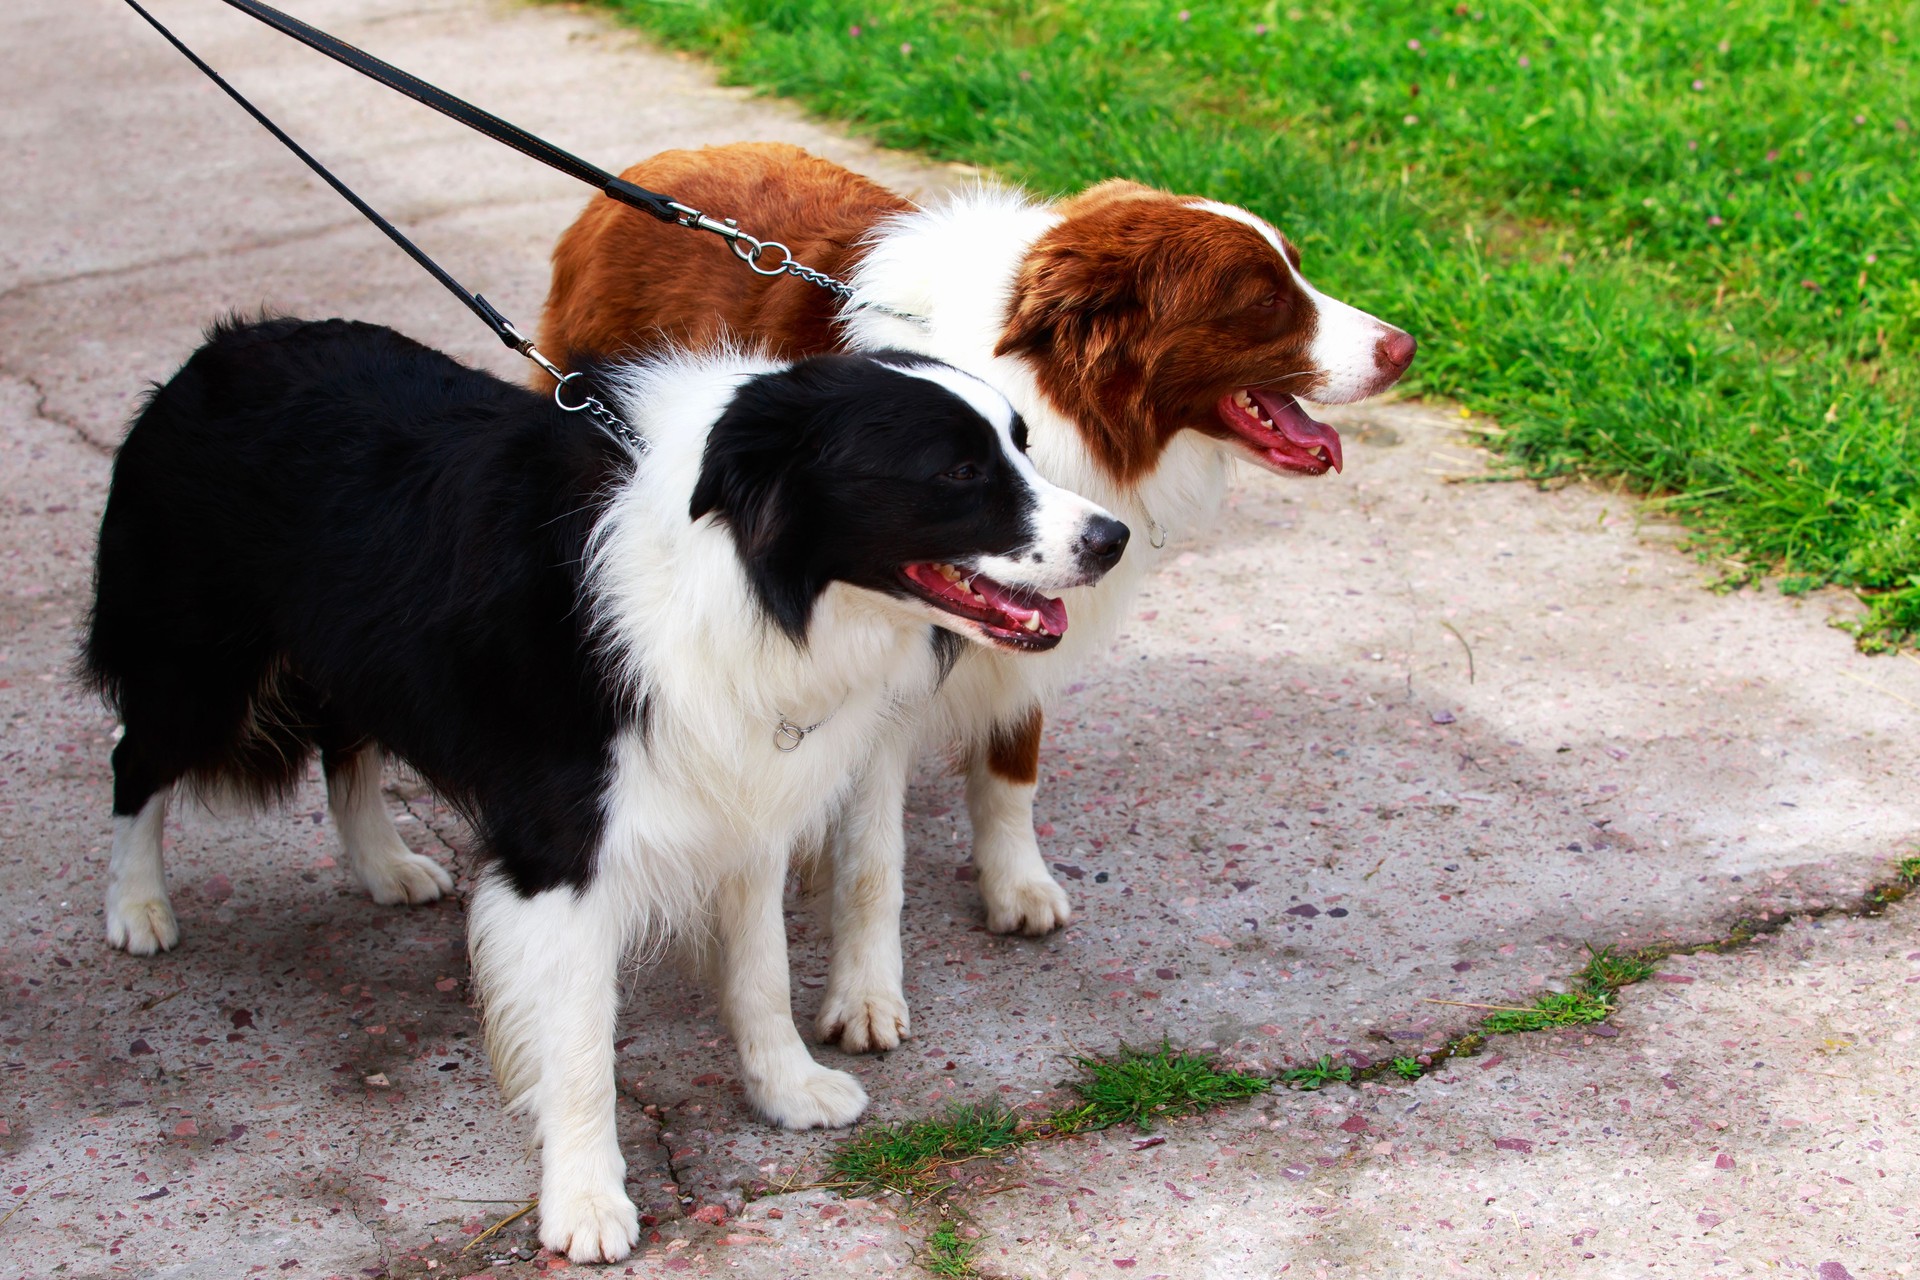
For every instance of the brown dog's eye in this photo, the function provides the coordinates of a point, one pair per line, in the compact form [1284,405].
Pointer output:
[1268,303]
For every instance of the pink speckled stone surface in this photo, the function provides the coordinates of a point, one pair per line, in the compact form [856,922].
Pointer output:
[1290,812]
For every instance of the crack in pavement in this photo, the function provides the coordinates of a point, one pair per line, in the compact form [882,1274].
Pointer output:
[440,840]
[437,213]
[44,410]
[373,1233]
[661,1140]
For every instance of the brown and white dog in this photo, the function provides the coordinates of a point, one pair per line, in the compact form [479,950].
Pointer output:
[1148,339]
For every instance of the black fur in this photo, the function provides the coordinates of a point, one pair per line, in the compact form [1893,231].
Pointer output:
[323,534]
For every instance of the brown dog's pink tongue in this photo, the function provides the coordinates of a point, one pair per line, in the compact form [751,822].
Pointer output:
[1293,423]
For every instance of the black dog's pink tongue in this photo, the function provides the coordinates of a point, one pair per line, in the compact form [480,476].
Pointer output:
[1022,605]
[1293,423]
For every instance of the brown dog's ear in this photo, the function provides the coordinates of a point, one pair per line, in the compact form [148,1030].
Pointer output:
[1088,263]
[1056,287]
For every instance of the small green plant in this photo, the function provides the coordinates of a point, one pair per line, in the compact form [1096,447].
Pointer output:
[906,1157]
[1909,871]
[1318,1075]
[1554,1009]
[948,1253]
[1144,1085]
[1608,970]
[1408,1068]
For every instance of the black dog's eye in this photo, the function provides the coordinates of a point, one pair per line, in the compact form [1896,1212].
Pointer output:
[964,472]
[1020,434]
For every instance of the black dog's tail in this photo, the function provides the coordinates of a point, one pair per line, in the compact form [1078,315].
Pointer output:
[200,700]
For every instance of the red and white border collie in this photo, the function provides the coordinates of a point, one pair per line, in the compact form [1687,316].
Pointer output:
[642,678]
[1148,339]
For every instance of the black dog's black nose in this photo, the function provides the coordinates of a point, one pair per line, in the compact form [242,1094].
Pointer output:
[1101,542]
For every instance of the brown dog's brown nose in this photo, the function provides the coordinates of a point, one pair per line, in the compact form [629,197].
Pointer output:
[1395,351]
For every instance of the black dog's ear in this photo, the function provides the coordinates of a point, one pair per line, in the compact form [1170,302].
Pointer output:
[745,489]
[750,479]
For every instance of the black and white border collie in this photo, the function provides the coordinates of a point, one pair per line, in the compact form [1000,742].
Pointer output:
[642,679]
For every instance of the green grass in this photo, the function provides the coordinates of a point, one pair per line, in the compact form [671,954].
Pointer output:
[906,1157]
[1140,1086]
[1318,1074]
[1554,1009]
[1674,244]
[1608,970]
[947,1252]
[1408,1068]
[1137,1086]
[1909,871]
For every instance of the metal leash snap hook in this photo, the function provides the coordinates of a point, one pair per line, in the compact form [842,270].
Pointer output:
[561,385]
[589,405]
[787,736]
[752,256]
[1156,533]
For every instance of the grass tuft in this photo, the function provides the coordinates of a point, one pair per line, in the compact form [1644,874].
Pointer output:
[1909,871]
[1608,970]
[1318,1075]
[948,1253]
[1554,1009]
[1144,1085]
[1132,1085]
[908,1156]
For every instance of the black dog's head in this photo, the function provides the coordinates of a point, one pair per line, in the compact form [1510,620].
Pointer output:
[902,476]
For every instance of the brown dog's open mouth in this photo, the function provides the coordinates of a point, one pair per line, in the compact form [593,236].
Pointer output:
[1283,437]
[1015,617]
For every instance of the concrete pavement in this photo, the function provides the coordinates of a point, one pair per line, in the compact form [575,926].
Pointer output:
[1375,741]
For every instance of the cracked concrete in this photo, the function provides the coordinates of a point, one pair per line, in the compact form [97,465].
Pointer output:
[1374,741]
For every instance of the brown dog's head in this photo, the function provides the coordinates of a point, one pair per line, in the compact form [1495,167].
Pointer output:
[1146,314]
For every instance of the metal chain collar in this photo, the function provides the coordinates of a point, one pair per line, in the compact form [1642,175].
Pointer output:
[759,256]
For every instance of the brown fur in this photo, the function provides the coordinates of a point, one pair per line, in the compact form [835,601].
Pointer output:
[1138,313]
[1013,752]
[624,281]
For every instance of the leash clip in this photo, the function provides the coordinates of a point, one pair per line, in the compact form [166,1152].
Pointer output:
[787,736]
[592,407]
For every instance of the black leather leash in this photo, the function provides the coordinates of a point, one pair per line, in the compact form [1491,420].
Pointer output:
[475,303]
[649,202]
[766,257]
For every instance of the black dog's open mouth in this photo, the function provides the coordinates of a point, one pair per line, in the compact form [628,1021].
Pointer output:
[1015,617]
[1283,437]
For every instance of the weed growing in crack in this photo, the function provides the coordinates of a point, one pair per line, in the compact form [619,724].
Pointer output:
[1908,870]
[1144,1085]
[906,1157]
[1554,1009]
[1608,970]
[1408,1068]
[1318,1075]
[947,1252]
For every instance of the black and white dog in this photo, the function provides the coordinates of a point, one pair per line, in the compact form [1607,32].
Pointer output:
[643,679]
